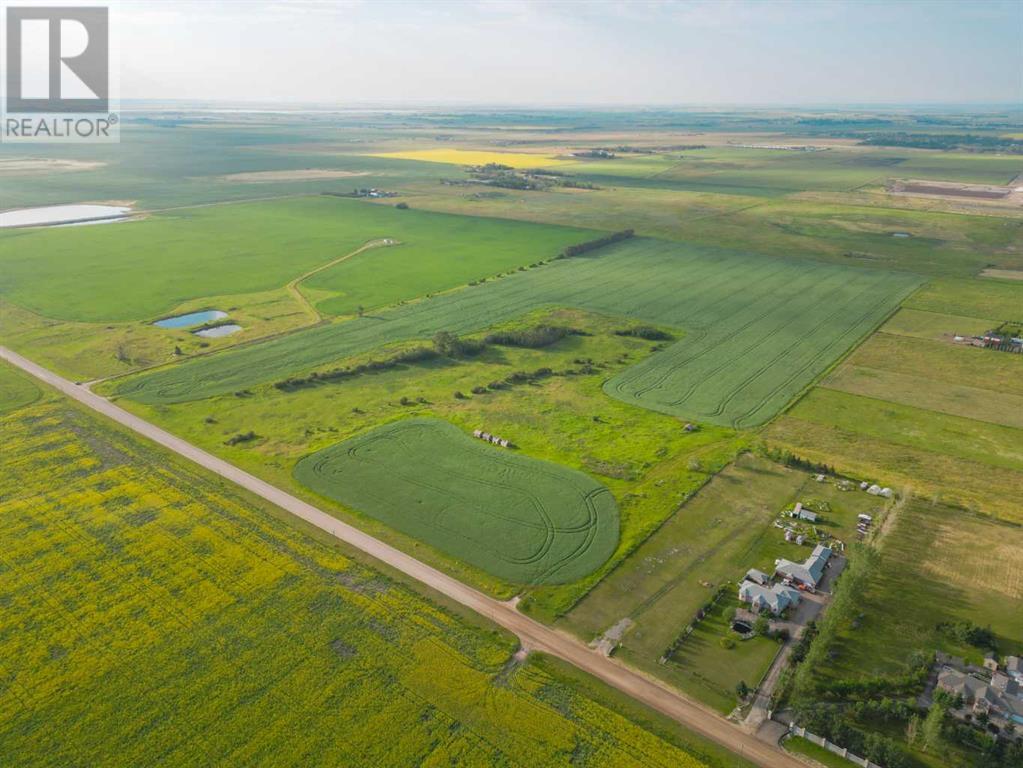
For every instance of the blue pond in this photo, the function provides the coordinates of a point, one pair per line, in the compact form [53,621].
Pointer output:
[219,331]
[193,318]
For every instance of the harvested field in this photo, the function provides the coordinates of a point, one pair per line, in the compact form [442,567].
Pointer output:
[987,405]
[523,520]
[758,330]
[939,564]
[306,174]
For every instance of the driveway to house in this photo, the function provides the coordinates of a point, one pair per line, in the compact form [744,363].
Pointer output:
[533,635]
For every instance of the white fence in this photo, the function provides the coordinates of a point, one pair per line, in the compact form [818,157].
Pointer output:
[820,741]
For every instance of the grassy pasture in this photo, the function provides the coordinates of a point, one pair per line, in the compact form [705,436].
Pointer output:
[522,520]
[145,269]
[758,330]
[933,326]
[170,606]
[16,390]
[990,299]
[992,444]
[976,485]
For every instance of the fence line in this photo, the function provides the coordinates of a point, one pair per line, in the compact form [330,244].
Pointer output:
[820,741]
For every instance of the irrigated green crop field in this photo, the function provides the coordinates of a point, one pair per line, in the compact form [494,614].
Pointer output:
[523,520]
[152,616]
[757,331]
[143,269]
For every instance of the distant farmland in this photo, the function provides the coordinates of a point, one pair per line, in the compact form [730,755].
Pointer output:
[757,330]
[523,520]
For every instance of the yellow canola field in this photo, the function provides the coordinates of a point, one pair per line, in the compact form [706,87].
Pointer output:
[477,157]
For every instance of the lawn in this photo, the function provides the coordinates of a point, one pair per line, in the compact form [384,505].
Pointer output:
[16,389]
[711,670]
[757,330]
[522,520]
[142,596]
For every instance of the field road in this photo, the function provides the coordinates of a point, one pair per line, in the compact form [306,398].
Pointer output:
[533,635]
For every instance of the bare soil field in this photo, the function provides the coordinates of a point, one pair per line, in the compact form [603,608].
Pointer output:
[1003,274]
[955,190]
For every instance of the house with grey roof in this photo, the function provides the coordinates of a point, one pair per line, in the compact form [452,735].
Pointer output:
[998,699]
[774,599]
[809,572]
[1014,667]
[757,577]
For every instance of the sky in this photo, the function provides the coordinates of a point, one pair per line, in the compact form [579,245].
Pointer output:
[531,53]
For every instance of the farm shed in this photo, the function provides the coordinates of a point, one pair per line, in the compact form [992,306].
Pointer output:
[757,577]
[807,573]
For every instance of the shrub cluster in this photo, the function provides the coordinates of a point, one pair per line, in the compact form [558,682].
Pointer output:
[536,337]
[592,245]
[647,332]
[413,355]
[243,437]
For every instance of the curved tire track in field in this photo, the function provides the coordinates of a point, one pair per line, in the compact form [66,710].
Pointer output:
[396,452]
[533,635]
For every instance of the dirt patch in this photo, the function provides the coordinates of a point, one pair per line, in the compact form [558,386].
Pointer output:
[305,174]
[1003,274]
[25,166]
[948,189]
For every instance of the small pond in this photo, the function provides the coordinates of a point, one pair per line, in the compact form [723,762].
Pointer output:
[192,318]
[901,234]
[220,330]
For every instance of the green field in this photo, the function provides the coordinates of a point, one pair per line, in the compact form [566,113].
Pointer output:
[650,463]
[143,597]
[520,519]
[758,330]
[145,269]
[16,390]
[995,300]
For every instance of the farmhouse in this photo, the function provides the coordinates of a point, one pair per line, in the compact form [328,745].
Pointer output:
[774,599]
[809,572]
[998,699]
